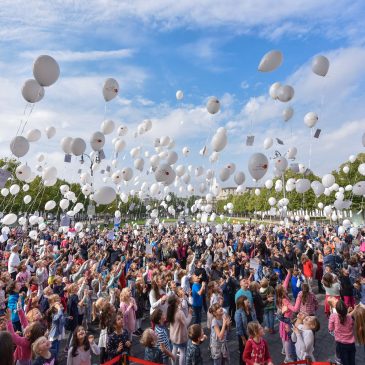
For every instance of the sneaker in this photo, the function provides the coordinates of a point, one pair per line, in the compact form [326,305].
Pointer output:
[283,351]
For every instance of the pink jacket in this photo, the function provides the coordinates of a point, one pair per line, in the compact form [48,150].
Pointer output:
[344,333]
[129,312]
[23,349]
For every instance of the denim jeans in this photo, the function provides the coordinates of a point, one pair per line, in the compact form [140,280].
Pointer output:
[197,315]
[346,353]
[269,318]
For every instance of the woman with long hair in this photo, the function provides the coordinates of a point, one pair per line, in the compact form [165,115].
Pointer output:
[306,302]
[178,327]
[157,295]
[342,324]
[6,348]
[332,288]
[81,347]
[128,307]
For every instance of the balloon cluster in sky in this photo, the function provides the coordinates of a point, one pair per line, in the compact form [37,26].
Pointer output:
[166,169]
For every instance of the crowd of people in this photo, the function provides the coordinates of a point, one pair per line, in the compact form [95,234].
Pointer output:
[171,288]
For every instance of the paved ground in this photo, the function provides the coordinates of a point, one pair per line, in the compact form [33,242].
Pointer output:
[324,346]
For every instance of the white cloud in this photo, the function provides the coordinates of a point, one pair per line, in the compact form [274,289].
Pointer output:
[75,56]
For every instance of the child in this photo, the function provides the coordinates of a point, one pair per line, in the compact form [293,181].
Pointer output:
[41,349]
[303,336]
[218,336]
[151,351]
[256,350]
[118,340]
[347,289]
[158,319]
[79,352]
[296,283]
[196,336]
[267,294]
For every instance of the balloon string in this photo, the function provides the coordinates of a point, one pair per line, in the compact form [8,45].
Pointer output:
[27,119]
[310,148]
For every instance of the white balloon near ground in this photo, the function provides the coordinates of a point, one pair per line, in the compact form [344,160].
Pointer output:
[281,163]
[9,219]
[310,119]
[46,70]
[224,174]
[320,65]
[49,173]
[346,169]
[213,105]
[268,142]
[50,132]
[328,180]
[27,199]
[239,178]
[107,126]
[4,192]
[33,135]
[122,130]
[19,146]
[361,169]
[269,184]
[14,189]
[352,158]
[302,186]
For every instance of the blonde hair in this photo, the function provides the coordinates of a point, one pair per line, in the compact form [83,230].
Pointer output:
[124,294]
[35,345]
[359,328]
[148,338]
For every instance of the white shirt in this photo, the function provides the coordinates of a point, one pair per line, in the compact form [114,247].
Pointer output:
[304,343]
[14,262]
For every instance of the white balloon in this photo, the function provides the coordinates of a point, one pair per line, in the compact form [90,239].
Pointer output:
[291,154]
[359,188]
[51,204]
[79,226]
[86,189]
[361,169]
[257,192]
[219,142]
[27,199]
[119,145]
[46,70]
[50,132]
[107,126]
[4,192]
[320,205]
[14,189]
[49,173]
[139,164]
[179,95]
[268,142]
[105,195]
[285,93]
[19,146]
[185,151]
[33,235]
[346,169]
[9,219]
[352,158]
[23,172]
[328,180]
[122,130]
[341,230]
[64,203]
[239,178]
[78,146]
[97,141]
[32,91]
[271,61]
[269,184]
[272,201]
[320,65]
[310,119]
[33,135]
[302,185]
[172,157]
[348,187]
[274,89]
[213,105]
[258,165]
[288,113]
[354,231]
[281,164]
[66,144]
[110,89]
[127,173]
[224,174]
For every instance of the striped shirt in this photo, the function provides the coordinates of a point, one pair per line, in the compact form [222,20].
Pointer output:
[163,338]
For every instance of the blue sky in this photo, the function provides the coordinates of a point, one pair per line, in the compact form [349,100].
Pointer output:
[204,48]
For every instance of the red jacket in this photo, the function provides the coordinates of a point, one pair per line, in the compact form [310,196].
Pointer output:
[308,269]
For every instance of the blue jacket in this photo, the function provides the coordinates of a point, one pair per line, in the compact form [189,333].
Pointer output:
[240,319]
[12,305]
[295,290]
[58,323]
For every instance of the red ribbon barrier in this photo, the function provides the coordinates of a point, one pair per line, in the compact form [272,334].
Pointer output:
[116,359]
